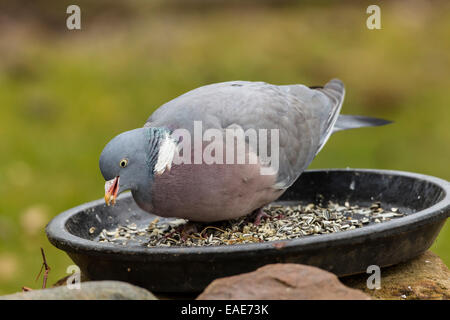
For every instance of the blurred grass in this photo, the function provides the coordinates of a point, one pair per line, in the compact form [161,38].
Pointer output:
[64,94]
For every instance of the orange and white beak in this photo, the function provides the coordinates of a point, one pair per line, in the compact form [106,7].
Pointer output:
[111,190]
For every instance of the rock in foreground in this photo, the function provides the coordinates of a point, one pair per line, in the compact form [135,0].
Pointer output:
[93,290]
[425,277]
[282,282]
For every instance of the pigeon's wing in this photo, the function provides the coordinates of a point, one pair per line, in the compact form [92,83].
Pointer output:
[303,117]
[327,109]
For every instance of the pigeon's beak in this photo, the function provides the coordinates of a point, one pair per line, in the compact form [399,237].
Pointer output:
[111,190]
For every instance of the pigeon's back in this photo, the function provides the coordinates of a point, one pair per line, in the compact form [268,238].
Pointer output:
[304,117]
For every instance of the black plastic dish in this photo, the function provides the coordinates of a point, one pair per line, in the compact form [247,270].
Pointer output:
[426,200]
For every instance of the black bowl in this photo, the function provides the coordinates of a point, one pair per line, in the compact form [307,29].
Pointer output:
[425,199]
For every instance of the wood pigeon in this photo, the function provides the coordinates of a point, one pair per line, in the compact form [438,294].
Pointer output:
[149,160]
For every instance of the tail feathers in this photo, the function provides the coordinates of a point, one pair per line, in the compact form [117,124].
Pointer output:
[345,122]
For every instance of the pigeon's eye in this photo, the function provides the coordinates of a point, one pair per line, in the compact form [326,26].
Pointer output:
[123,163]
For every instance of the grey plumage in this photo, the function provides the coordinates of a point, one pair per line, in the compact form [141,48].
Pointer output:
[305,118]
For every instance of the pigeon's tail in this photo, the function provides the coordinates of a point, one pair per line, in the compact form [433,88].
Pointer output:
[345,122]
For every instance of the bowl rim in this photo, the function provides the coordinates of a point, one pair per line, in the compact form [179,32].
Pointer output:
[60,237]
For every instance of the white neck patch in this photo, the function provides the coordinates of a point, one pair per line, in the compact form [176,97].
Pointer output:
[166,153]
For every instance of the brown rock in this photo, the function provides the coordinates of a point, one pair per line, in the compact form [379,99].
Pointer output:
[281,282]
[425,277]
[93,290]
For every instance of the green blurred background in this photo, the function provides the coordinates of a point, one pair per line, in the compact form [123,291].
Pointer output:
[64,94]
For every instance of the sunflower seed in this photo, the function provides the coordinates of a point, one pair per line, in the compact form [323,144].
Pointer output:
[283,222]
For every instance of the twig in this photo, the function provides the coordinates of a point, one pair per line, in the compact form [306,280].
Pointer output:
[210,227]
[47,269]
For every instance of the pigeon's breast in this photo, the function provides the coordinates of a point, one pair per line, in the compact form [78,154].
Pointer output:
[202,192]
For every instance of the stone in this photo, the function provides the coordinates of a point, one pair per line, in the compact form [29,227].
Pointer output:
[281,282]
[92,290]
[425,277]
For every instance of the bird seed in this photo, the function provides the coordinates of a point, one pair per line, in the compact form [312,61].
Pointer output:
[281,223]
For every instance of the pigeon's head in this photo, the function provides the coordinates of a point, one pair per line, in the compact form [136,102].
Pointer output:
[128,162]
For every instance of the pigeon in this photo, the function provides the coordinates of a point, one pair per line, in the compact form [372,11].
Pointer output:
[168,182]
